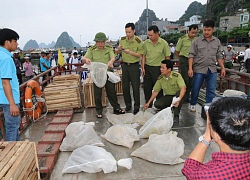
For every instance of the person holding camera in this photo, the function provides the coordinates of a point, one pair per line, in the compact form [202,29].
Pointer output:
[228,125]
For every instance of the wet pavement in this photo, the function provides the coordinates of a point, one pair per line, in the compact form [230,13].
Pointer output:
[190,127]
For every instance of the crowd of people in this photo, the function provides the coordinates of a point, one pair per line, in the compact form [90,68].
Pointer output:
[228,122]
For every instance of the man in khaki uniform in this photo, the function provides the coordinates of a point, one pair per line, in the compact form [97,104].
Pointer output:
[132,50]
[102,52]
[182,51]
[172,85]
[155,50]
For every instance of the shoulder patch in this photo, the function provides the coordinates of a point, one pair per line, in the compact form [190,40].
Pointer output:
[93,47]
[123,38]
[108,46]
[175,75]
[137,40]
[183,36]
[160,77]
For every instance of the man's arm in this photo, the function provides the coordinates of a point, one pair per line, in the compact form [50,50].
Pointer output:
[221,63]
[127,51]
[190,67]
[182,93]
[177,54]
[199,152]
[45,65]
[143,60]
[153,96]
[14,110]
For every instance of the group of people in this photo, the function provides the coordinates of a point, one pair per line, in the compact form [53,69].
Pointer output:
[228,119]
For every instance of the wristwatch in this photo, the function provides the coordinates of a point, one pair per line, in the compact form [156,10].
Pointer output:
[201,139]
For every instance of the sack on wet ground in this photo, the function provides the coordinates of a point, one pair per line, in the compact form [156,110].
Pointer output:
[162,149]
[120,119]
[143,116]
[122,134]
[79,134]
[160,123]
[93,159]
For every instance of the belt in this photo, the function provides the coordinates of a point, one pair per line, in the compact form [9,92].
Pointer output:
[130,63]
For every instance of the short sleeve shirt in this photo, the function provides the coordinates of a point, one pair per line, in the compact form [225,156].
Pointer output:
[155,53]
[135,45]
[170,85]
[42,60]
[97,55]
[8,71]
[205,54]
[229,55]
[183,45]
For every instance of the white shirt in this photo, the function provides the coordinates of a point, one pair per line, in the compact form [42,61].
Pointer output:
[247,54]
[172,49]
[73,60]
[74,50]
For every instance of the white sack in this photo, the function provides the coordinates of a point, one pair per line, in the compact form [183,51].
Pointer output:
[162,149]
[142,117]
[79,134]
[98,72]
[114,78]
[126,118]
[160,123]
[92,159]
[122,134]
[230,92]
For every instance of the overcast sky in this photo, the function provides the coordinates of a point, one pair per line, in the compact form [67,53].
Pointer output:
[45,20]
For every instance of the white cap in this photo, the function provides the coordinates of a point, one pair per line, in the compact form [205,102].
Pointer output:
[229,46]
[171,44]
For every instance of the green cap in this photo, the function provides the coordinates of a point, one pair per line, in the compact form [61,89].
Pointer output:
[100,37]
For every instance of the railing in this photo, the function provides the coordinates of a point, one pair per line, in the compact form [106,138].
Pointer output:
[242,83]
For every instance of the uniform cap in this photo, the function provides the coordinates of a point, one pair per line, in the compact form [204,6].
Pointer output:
[229,46]
[100,37]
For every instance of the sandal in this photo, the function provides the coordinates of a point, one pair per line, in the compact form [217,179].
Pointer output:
[119,111]
[99,115]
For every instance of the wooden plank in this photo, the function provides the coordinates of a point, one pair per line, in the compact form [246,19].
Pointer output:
[11,158]
[29,170]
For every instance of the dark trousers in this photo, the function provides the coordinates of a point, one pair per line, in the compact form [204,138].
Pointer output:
[248,65]
[111,93]
[151,75]
[183,65]
[20,78]
[130,74]
[165,101]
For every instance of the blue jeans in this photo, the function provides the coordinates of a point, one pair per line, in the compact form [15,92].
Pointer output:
[198,79]
[11,123]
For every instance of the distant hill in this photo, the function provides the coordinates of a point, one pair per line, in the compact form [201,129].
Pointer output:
[64,40]
[195,8]
[31,44]
[141,24]
[50,45]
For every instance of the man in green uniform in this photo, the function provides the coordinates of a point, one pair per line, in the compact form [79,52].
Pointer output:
[182,51]
[172,85]
[131,48]
[155,50]
[102,52]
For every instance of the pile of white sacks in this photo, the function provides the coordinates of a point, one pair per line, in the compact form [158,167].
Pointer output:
[88,154]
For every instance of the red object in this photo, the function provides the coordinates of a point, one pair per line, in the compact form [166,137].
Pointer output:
[61,120]
[33,86]
[53,137]
[222,166]
[47,149]
[56,128]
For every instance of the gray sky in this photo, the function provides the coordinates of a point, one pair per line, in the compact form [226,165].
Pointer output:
[45,20]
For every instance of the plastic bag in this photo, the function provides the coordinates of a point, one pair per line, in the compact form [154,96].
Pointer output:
[92,159]
[142,117]
[98,72]
[79,134]
[114,78]
[162,149]
[122,134]
[160,123]
[120,119]
[230,92]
